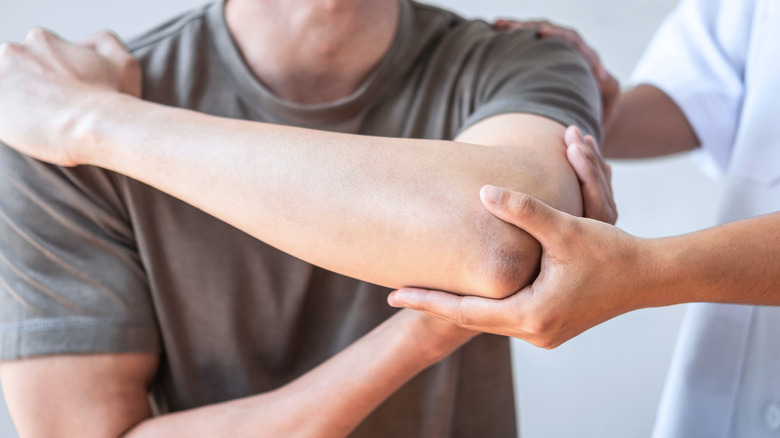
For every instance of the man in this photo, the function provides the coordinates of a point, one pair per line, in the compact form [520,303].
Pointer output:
[707,82]
[114,286]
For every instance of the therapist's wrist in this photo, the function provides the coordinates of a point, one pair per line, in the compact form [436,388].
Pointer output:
[664,281]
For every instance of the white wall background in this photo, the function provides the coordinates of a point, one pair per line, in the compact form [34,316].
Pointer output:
[607,382]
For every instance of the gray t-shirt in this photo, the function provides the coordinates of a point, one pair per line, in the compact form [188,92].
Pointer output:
[92,261]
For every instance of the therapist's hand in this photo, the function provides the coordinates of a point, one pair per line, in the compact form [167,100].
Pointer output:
[587,270]
[594,175]
[582,260]
[48,86]
[610,87]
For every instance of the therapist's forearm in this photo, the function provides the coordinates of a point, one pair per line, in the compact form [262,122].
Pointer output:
[396,212]
[647,123]
[737,262]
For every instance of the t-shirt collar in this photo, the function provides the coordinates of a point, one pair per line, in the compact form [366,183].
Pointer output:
[327,115]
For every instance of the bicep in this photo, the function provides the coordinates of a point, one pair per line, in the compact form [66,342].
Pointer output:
[101,395]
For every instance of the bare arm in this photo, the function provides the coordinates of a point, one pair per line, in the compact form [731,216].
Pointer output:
[105,395]
[397,212]
[647,123]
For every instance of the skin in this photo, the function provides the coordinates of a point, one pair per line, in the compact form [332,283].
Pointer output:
[350,191]
[592,271]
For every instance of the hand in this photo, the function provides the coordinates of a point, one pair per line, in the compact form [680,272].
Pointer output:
[589,270]
[594,174]
[610,87]
[47,86]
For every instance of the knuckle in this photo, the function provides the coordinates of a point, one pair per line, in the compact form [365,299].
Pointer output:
[590,153]
[523,204]
[109,37]
[550,343]
[129,63]
[38,34]
[538,325]
[569,236]
[9,50]
[462,317]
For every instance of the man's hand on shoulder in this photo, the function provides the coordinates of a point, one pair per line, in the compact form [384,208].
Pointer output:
[50,83]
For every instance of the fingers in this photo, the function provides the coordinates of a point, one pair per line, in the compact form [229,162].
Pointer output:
[524,211]
[474,313]
[108,45]
[38,35]
[594,175]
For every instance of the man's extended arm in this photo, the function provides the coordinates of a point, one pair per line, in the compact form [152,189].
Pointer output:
[397,212]
[389,211]
[106,395]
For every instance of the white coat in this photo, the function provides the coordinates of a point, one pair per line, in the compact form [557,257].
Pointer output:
[719,60]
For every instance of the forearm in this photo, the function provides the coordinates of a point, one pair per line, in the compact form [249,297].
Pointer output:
[396,212]
[332,399]
[732,263]
[647,123]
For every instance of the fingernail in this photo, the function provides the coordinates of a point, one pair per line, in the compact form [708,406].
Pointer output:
[393,300]
[492,194]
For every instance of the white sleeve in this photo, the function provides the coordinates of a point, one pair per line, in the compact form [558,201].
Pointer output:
[697,58]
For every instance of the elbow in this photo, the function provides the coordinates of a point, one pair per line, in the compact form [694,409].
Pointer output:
[509,259]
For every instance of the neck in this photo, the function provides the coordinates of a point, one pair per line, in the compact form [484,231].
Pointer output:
[312,51]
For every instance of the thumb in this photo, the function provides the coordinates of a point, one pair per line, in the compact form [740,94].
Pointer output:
[524,211]
[107,44]
[471,312]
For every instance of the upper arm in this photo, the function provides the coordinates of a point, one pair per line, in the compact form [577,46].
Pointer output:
[79,395]
[71,277]
[696,63]
[71,284]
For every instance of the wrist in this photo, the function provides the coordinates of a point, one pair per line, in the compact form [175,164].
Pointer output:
[434,338]
[661,273]
[87,134]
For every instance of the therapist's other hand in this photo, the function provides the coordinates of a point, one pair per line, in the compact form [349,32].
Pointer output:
[49,86]
[587,269]
[594,174]
[610,87]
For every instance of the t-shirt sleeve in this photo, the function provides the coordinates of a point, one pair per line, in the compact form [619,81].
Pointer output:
[71,280]
[697,58]
[516,72]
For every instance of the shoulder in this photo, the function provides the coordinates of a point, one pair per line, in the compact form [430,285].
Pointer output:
[178,58]
[187,23]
